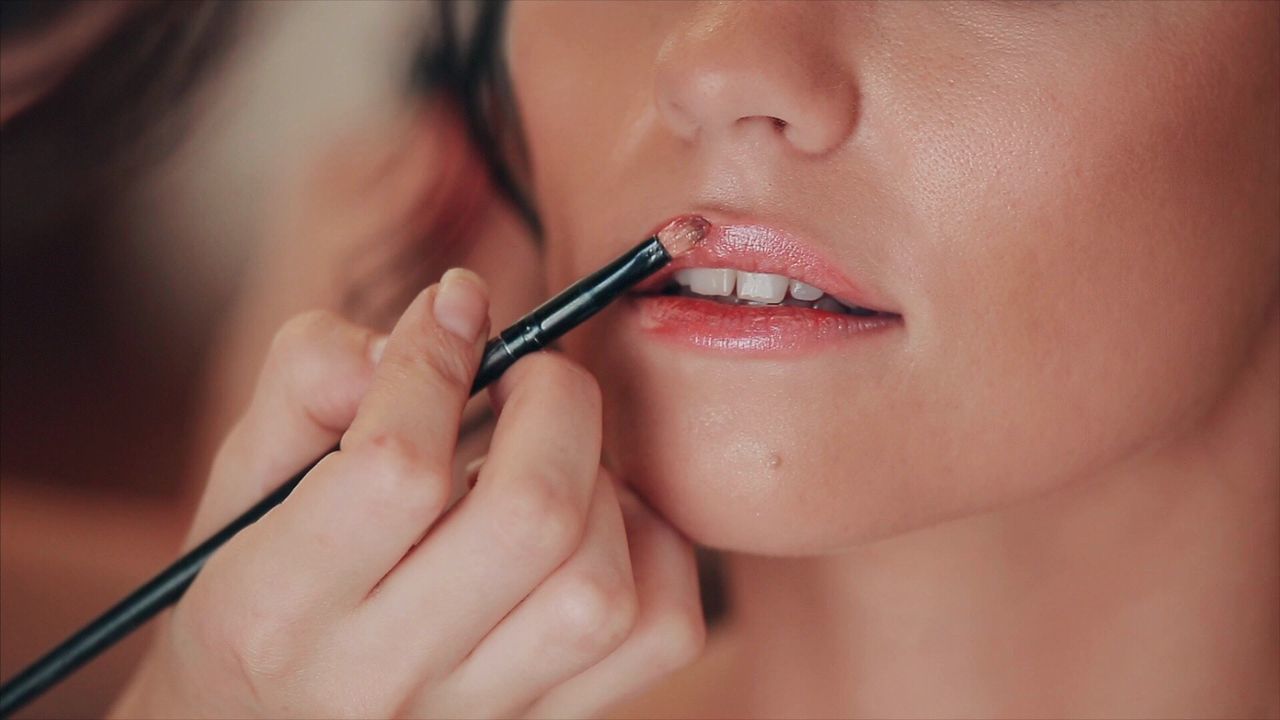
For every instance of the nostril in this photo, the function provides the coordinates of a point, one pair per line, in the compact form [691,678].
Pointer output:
[778,124]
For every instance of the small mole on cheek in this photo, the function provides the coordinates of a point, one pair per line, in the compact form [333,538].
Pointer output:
[775,461]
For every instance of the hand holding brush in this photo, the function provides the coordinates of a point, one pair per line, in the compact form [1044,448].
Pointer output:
[548,589]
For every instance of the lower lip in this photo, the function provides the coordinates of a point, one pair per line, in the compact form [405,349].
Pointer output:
[774,329]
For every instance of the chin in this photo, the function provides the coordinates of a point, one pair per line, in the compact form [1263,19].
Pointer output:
[822,452]
[757,455]
[757,425]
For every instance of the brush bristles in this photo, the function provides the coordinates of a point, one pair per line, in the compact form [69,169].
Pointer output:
[683,234]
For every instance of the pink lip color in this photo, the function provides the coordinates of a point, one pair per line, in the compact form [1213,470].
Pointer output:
[709,325]
[755,248]
[713,326]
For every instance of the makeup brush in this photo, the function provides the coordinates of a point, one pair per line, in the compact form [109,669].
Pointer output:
[533,332]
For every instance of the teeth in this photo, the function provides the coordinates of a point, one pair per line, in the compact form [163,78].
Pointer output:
[761,287]
[756,289]
[707,281]
[804,291]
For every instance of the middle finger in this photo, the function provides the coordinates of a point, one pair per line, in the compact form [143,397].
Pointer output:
[573,619]
[524,518]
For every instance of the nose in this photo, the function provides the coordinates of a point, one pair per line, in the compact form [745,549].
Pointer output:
[742,71]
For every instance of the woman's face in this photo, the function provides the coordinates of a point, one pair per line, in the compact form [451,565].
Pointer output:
[1064,213]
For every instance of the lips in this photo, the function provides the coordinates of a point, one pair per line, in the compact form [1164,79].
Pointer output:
[756,289]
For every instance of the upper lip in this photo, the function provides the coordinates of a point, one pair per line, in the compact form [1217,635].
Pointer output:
[763,249]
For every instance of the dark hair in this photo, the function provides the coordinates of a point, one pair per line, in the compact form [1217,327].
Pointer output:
[27,16]
[126,103]
[121,106]
[459,62]
[69,347]
[467,62]
[470,65]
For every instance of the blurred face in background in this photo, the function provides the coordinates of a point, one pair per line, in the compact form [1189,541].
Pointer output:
[1064,216]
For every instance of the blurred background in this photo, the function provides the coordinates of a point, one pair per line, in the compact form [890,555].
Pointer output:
[135,315]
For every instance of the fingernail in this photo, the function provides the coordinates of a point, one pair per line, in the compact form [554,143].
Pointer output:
[461,304]
[377,348]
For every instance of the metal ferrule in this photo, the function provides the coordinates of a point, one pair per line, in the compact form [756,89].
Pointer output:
[569,309]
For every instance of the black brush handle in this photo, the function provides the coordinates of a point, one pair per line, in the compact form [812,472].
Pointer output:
[569,308]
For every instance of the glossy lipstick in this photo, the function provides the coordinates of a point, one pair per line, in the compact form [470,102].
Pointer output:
[725,324]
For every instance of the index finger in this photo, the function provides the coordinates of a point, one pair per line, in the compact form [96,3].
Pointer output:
[424,377]
[355,515]
[406,427]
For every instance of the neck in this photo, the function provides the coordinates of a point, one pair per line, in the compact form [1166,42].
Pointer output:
[1150,591]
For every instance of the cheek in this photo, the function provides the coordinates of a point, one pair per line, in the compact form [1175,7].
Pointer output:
[580,97]
[752,459]
[1099,245]
[1087,245]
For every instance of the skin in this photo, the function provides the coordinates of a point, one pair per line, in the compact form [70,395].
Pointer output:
[1064,502]
[370,205]
[1067,453]
[548,590]
[600,594]
[545,591]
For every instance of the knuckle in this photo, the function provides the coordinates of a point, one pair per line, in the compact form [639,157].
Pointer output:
[299,362]
[596,611]
[260,653]
[301,332]
[250,628]
[257,631]
[443,358]
[676,638]
[397,479]
[539,518]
